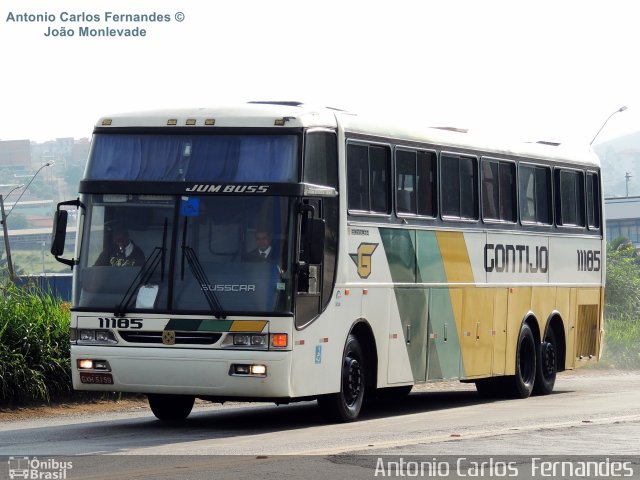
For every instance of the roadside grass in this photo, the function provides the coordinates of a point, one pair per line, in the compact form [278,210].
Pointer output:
[34,345]
[35,350]
[621,344]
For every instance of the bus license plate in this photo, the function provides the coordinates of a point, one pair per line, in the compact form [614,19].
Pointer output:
[96,378]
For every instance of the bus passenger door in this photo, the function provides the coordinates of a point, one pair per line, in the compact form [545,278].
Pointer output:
[309,260]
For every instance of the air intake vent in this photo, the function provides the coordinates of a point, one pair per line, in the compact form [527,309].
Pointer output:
[181,338]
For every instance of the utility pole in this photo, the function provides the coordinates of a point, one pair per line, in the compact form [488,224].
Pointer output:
[627,176]
[5,231]
[6,240]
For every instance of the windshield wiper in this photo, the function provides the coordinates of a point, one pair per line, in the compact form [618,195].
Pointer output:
[148,267]
[201,276]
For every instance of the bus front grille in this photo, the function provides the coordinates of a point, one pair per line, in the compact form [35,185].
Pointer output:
[180,338]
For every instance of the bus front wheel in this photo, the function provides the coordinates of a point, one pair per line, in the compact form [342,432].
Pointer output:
[171,407]
[345,405]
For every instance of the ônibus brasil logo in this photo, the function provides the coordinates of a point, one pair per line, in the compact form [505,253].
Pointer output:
[35,469]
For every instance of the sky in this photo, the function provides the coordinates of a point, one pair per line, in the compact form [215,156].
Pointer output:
[530,70]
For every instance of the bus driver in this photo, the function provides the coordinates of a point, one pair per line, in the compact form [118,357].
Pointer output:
[123,253]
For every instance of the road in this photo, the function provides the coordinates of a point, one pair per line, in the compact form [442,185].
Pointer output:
[594,413]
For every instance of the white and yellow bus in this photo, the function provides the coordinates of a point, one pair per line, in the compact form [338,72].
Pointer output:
[396,256]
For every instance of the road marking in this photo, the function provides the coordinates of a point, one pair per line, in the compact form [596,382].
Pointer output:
[366,447]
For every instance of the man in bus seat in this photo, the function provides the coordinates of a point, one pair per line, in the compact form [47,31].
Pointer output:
[123,253]
[264,251]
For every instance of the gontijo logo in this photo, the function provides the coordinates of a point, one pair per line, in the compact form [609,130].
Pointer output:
[362,258]
[32,468]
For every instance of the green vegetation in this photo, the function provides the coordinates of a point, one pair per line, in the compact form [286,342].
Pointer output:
[30,262]
[34,345]
[622,306]
[622,343]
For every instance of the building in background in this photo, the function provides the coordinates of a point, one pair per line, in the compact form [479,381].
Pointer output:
[15,157]
[623,218]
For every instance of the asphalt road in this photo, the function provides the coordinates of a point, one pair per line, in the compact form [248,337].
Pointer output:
[592,413]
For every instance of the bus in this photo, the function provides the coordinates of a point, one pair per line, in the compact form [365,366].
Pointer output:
[398,255]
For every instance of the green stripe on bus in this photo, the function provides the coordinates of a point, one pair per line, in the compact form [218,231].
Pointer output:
[426,314]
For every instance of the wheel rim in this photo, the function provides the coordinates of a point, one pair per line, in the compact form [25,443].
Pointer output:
[548,358]
[352,380]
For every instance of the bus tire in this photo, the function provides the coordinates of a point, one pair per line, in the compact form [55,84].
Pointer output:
[521,384]
[345,405]
[547,365]
[171,407]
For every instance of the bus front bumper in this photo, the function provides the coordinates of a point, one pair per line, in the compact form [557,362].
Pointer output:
[182,371]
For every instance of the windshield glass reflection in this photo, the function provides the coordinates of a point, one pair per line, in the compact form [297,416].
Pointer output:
[212,255]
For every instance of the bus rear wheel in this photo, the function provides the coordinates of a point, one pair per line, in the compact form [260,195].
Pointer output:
[345,405]
[521,384]
[547,365]
[171,407]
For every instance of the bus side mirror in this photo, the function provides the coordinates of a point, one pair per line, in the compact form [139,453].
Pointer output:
[59,234]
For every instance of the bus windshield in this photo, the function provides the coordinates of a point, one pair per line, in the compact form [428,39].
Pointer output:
[200,254]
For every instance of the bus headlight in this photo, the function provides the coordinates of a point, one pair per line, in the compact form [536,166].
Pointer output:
[96,337]
[87,335]
[249,340]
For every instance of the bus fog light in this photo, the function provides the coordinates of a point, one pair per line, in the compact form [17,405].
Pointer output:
[258,369]
[85,364]
[245,370]
[240,369]
[101,365]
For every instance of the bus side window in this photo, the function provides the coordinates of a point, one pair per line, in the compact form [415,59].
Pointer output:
[379,178]
[570,193]
[498,190]
[459,187]
[368,179]
[405,181]
[534,190]
[426,193]
[358,177]
[593,201]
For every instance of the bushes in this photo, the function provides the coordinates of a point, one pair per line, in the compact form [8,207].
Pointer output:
[622,337]
[34,345]
[622,306]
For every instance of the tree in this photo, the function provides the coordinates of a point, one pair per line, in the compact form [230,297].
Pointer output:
[622,292]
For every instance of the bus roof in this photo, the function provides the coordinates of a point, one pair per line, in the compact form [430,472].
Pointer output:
[296,114]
